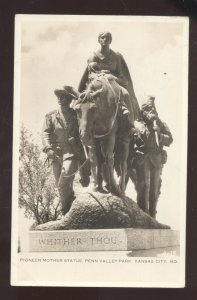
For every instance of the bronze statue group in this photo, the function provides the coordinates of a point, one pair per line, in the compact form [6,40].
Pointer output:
[100,129]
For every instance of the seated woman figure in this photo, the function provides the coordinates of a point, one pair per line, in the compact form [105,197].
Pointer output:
[105,60]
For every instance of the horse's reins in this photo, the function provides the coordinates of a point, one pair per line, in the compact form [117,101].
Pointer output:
[81,166]
[97,136]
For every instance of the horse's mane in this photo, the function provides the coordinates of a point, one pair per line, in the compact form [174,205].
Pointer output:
[85,96]
[93,90]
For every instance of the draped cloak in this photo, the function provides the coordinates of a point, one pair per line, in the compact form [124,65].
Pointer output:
[115,63]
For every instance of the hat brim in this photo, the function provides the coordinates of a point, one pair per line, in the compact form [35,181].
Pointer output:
[60,93]
[70,91]
[150,100]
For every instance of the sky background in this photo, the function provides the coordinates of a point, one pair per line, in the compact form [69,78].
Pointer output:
[54,52]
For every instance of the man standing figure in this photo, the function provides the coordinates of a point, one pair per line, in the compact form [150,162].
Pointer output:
[151,135]
[107,61]
[60,137]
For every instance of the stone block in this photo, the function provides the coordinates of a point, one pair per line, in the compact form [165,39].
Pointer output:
[101,240]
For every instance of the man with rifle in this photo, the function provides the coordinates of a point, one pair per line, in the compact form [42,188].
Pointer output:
[150,138]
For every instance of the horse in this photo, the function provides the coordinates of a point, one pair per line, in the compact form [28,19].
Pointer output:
[98,113]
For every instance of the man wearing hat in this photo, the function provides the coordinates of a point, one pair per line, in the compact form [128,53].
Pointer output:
[60,137]
[105,60]
[150,138]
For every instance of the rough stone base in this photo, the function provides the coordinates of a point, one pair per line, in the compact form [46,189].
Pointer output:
[103,211]
[101,240]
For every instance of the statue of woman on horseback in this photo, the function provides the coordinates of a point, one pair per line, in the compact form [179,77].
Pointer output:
[106,94]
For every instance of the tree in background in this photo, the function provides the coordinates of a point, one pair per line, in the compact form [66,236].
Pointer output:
[37,191]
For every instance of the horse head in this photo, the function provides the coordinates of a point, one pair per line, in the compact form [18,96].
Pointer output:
[86,109]
[92,108]
[86,116]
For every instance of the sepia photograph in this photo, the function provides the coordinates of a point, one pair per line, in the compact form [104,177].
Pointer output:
[99,151]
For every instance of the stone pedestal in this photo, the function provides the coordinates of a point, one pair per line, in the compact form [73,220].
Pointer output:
[101,240]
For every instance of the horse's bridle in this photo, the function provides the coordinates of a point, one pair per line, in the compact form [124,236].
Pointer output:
[98,136]
[102,135]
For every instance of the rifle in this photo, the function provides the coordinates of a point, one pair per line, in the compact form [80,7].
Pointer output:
[156,133]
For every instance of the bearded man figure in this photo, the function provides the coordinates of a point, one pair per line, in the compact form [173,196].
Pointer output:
[107,61]
[150,138]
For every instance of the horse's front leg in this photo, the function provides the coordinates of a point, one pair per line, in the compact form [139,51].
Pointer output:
[107,147]
[123,164]
[94,168]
